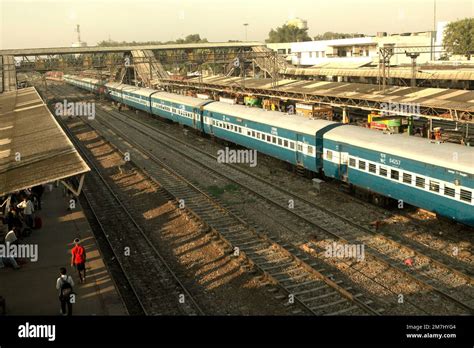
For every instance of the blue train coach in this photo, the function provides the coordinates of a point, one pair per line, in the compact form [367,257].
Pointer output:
[438,177]
[179,108]
[291,138]
[137,97]
[91,85]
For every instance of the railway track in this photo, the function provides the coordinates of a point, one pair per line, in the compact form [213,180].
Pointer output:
[348,236]
[119,278]
[442,250]
[154,284]
[383,248]
[308,288]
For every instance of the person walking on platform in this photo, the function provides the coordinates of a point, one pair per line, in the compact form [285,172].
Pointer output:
[64,284]
[28,210]
[78,260]
[38,193]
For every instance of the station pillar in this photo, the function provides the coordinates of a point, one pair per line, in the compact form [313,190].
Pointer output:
[345,119]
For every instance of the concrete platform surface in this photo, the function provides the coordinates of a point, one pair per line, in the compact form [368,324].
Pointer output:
[31,290]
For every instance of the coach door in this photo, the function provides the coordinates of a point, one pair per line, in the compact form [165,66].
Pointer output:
[343,158]
[210,119]
[299,149]
[195,119]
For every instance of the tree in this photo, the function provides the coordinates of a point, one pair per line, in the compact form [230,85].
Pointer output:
[459,37]
[192,38]
[288,33]
[329,35]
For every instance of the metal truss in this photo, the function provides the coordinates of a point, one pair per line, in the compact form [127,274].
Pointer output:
[335,101]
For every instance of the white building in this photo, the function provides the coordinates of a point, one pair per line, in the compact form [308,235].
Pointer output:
[353,52]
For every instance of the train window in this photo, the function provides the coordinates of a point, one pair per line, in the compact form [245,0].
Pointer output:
[253,134]
[394,174]
[372,168]
[274,140]
[300,147]
[258,135]
[240,129]
[434,186]
[383,171]
[280,142]
[292,145]
[420,182]
[285,143]
[362,165]
[449,191]
[329,157]
[352,160]
[407,178]
[269,138]
[249,133]
[310,150]
[466,195]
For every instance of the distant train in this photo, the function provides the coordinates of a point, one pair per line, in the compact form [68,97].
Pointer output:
[438,177]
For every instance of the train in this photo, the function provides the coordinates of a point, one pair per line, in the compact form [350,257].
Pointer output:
[435,176]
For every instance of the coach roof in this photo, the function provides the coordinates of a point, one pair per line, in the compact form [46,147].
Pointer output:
[277,119]
[447,155]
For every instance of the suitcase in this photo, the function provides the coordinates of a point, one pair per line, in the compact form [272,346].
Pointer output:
[38,223]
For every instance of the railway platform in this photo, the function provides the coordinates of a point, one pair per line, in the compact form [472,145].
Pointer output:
[31,290]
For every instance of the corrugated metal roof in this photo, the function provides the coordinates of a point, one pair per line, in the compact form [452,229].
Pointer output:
[426,97]
[453,156]
[28,129]
[374,72]
[343,65]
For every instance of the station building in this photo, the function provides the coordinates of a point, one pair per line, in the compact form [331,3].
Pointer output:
[361,51]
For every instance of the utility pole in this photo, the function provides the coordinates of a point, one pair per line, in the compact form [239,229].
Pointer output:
[385,53]
[413,57]
[246,25]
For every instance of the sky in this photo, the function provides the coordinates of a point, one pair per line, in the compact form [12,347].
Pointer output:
[51,23]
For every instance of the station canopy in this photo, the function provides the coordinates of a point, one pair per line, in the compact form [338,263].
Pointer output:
[34,149]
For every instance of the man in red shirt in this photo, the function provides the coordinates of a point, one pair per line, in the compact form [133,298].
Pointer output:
[78,260]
